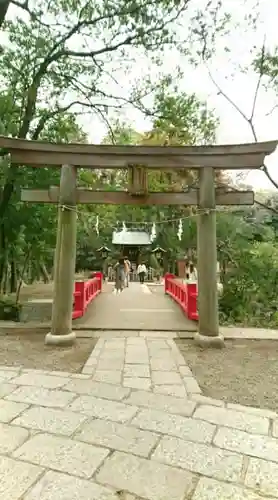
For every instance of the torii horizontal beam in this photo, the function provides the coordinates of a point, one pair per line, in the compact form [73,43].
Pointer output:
[87,196]
[226,157]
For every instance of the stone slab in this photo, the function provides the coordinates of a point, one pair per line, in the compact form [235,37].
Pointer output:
[145,478]
[208,489]
[108,376]
[174,425]
[102,408]
[192,385]
[169,404]
[6,389]
[110,364]
[11,437]
[185,371]
[199,458]
[135,350]
[116,343]
[230,418]
[118,436]
[136,370]
[199,398]
[62,454]
[88,370]
[50,420]
[137,383]
[262,412]
[16,478]
[262,476]
[171,390]
[41,396]
[164,377]
[47,381]
[97,389]
[5,368]
[50,373]
[93,361]
[112,354]
[156,343]
[142,359]
[165,354]
[249,444]
[162,364]
[137,341]
[6,375]
[9,410]
[57,486]
[154,333]
[275,428]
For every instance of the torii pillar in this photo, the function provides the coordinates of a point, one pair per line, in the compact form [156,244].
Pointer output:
[64,264]
[208,328]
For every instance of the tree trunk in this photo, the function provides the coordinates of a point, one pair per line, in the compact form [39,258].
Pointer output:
[5,281]
[3,253]
[44,273]
[4,5]
[23,270]
[33,276]
[13,280]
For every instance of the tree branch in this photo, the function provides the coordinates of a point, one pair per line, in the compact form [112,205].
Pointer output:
[4,5]
[263,205]
[249,120]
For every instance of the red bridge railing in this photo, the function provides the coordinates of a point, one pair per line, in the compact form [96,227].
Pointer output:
[185,294]
[84,293]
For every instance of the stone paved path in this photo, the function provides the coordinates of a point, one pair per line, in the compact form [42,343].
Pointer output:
[133,425]
[138,307]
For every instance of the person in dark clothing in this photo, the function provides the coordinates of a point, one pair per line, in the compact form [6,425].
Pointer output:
[119,275]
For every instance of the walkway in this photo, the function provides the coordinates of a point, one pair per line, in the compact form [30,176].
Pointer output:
[133,425]
[139,307]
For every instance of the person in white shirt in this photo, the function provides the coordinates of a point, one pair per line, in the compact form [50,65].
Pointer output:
[193,275]
[141,271]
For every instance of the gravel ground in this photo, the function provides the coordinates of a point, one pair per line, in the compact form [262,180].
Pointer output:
[245,372]
[29,351]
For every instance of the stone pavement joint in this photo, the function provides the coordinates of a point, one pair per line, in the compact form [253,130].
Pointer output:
[133,425]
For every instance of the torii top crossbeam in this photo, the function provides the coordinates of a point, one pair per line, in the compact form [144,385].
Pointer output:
[226,157]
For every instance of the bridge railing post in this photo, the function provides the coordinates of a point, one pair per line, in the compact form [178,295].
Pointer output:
[99,276]
[167,277]
[79,298]
[192,295]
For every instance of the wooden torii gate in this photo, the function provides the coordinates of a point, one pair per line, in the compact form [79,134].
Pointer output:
[137,159]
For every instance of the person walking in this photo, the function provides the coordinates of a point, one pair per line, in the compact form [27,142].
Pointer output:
[141,271]
[193,275]
[127,271]
[119,275]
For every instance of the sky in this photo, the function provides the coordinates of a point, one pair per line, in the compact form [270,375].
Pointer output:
[239,87]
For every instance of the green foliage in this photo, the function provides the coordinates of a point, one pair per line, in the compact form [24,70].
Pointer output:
[184,119]
[266,64]
[9,309]
[250,288]
[248,256]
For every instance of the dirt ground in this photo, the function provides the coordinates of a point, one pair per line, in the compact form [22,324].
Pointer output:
[29,351]
[245,372]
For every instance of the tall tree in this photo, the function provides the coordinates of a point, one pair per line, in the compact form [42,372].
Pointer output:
[65,56]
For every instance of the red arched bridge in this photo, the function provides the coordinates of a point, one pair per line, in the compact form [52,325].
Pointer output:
[86,293]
